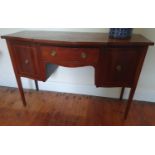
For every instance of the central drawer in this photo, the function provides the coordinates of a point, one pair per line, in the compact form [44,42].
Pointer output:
[63,55]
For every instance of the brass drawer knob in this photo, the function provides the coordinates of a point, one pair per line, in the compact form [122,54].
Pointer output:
[83,55]
[26,61]
[119,68]
[53,53]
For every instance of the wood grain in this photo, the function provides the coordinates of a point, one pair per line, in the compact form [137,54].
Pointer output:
[59,109]
[76,38]
[117,63]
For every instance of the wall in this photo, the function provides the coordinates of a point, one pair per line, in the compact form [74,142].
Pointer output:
[81,80]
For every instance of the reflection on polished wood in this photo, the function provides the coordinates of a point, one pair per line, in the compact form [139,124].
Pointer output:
[50,108]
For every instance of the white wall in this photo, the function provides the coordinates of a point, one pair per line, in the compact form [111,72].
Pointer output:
[81,80]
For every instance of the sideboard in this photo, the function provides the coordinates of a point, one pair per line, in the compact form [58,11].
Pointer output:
[117,63]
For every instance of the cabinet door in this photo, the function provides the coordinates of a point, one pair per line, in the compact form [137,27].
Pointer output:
[117,67]
[26,60]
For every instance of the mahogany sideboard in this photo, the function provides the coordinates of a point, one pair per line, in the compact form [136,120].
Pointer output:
[117,63]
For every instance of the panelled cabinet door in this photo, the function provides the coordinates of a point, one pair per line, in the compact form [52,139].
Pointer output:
[25,58]
[117,66]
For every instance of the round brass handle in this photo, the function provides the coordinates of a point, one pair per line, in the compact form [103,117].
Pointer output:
[26,61]
[119,68]
[83,55]
[53,53]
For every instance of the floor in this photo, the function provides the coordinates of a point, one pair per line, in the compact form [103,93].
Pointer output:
[60,109]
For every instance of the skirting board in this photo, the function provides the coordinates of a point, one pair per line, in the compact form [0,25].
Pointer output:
[141,94]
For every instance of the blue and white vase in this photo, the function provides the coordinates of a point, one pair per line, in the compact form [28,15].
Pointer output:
[120,33]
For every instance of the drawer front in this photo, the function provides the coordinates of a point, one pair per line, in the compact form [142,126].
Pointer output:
[64,55]
[25,60]
[118,66]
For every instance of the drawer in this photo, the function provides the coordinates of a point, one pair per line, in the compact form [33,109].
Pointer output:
[25,59]
[118,66]
[63,55]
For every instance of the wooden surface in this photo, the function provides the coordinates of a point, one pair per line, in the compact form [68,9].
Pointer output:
[49,108]
[76,38]
[117,66]
[69,57]
[117,63]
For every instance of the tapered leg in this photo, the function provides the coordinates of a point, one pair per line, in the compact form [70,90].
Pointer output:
[132,92]
[21,90]
[36,84]
[122,93]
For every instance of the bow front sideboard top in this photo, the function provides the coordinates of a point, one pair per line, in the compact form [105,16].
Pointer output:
[118,63]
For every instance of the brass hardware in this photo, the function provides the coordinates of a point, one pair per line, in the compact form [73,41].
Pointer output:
[26,61]
[53,53]
[119,68]
[83,55]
